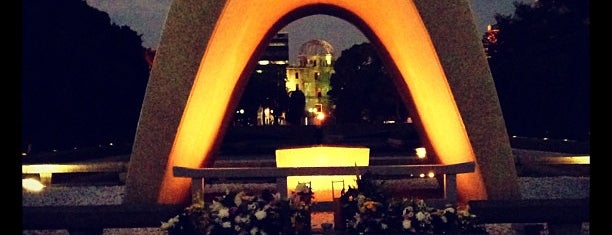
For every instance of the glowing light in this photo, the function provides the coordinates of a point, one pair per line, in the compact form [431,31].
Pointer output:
[259,71]
[431,174]
[24,154]
[241,111]
[263,62]
[328,58]
[322,156]
[421,152]
[422,175]
[581,160]
[32,185]
[320,116]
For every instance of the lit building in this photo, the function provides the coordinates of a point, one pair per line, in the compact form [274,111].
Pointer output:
[264,99]
[311,75]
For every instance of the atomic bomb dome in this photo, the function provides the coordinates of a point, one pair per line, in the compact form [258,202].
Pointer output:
[316,47]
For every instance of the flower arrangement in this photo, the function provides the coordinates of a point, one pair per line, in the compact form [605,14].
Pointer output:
[367,209]
[244,214]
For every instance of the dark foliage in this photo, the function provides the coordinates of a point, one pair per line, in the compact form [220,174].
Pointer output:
[83,77]
[362,90]
[540,61]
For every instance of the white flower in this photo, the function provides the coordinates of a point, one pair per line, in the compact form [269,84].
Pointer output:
[254,231]
[449,210]
[240,219]
[171,222]
[260,214]
[406,224]
[408,210]
[252,206]
[226,224]
[420,216]
[216,205]
[238,198]
[223,212]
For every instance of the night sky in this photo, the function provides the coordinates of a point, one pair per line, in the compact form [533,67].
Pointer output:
[147,18]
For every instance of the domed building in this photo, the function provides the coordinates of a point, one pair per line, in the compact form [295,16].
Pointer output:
[311,75]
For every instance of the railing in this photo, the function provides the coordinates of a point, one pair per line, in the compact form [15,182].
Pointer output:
[280,174]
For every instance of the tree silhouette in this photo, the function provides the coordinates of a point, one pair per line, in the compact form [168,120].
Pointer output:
[540,61]
[362,90]
[83,77]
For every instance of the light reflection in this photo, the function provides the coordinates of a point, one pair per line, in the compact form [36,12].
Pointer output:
[32,185]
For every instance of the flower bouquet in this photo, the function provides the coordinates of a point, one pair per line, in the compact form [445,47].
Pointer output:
[243,214]
[367,209]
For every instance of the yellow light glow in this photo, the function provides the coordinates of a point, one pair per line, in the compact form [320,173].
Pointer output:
[395,24]
[421,152]
[431,174]
[322,156]
[320,116]
[422,175]
[32,185]
[581,159]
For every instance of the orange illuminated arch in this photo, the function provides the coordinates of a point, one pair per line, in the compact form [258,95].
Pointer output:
[244,26]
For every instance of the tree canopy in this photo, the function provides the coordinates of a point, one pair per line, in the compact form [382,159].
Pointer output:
[83,77]
[540,61]
[362,90]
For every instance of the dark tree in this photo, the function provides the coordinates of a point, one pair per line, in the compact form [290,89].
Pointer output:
[540,61]
[362,90]
[83,77]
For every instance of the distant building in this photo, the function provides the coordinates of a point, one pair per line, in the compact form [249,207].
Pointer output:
[262,102]
[311,75]
[489,40]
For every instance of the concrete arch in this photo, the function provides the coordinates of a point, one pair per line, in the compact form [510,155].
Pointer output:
[205,54]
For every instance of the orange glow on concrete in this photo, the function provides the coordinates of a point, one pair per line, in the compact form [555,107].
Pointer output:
[322,156]
[243,25]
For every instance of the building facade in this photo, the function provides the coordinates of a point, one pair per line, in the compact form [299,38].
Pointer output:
[311,75]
